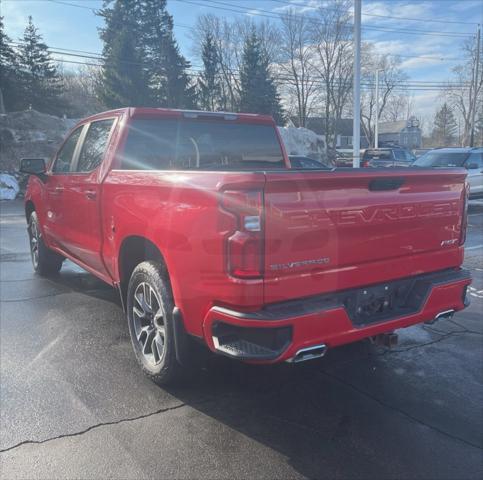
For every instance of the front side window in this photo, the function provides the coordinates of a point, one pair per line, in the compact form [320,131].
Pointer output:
[65,156]
[162,144]
[94,146]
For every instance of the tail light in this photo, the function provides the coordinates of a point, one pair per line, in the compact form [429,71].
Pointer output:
[464,219]
[365,164]
[245,246]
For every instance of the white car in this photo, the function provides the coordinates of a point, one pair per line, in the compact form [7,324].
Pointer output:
[469,158]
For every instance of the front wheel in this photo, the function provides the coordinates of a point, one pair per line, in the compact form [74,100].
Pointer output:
[45,261]
[149,312]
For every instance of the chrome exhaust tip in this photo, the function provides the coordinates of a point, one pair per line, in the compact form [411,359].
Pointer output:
[309,353]
[446,314]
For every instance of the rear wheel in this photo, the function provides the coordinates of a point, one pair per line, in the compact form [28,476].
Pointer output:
[149,311]
[45,261]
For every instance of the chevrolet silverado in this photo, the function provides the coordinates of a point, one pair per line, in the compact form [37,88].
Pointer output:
[208,234]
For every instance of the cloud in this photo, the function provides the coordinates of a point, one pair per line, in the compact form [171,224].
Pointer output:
[300,6]
[445,51]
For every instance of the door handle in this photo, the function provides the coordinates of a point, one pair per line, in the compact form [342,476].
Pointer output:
[90,194]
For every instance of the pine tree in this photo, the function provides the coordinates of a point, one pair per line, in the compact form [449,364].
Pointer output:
[161,76]
[123,83]
[166,67]
[124,80]
[258,93]
[445,127]
[9,74]
[41,84]
[209,81]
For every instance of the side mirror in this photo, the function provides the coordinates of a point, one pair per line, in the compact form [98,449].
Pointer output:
[33,166]
[472,166]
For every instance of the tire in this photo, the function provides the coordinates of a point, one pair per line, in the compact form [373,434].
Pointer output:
[149,312]
[45,261]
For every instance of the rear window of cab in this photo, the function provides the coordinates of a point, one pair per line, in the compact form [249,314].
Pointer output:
[181,144]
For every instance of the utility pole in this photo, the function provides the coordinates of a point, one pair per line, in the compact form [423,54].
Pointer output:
[376,129]
[475,85]
[356,134]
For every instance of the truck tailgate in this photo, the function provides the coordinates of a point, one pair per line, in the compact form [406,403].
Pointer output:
[329,231]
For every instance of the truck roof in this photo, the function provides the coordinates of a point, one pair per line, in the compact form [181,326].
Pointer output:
[172,112]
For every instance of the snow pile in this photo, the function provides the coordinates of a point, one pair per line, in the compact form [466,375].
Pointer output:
[8,187]
[29,134]
[302,141]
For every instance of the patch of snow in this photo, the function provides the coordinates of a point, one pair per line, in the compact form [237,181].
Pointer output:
[302,141]
[8,187]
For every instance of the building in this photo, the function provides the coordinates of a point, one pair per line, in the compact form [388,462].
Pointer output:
[343,129]
[405,133]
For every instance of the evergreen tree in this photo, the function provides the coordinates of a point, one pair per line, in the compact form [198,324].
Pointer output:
[124,80]
[161,76]
[9,74]
[445,127]
[258,93]
[40,81]
[166,67]
[209,81]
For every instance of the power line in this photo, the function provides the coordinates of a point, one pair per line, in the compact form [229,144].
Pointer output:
[101,58]
[432,20]
[365,86]
[278,17]
[429,57]
[283,81]
[214,4]
[96,10]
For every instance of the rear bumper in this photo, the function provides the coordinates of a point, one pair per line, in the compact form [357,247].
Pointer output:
[277,332]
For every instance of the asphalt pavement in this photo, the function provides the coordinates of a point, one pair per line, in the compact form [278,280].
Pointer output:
[74,404]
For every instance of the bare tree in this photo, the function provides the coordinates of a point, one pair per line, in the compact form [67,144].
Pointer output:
[465,93]
[390,79]
[331,36]
[79,92]
[296,64]
[398,107]
[229,37]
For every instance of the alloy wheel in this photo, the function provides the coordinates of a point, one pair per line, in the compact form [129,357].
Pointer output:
[149,325]
[34,242]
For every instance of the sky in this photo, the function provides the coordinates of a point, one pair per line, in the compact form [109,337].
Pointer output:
[437,29]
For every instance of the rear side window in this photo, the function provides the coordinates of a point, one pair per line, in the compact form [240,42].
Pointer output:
[94,146]
[150,145]
[64,157]
[163,144]
[377,155]
[475,159]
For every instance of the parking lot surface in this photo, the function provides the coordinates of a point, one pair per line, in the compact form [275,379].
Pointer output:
[74,403]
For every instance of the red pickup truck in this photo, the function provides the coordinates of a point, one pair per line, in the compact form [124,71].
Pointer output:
[207,232]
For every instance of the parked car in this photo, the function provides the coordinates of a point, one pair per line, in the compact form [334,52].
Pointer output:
[387,157]
[343,159]
[300,161]
[199,222]
[469,158]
